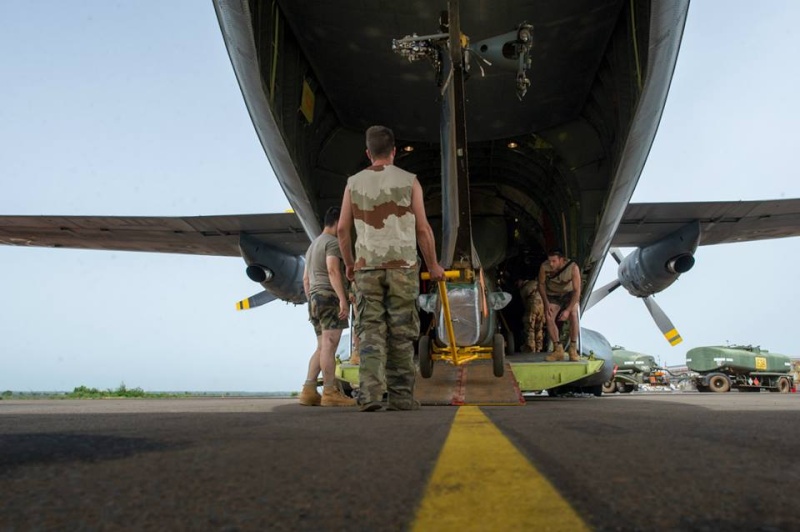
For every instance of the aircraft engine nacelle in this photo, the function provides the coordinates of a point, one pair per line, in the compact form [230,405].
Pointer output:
[259,274]
[652,268]
[280,273]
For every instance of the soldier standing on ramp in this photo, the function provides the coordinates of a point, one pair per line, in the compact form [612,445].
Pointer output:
[328,307]
[384,204]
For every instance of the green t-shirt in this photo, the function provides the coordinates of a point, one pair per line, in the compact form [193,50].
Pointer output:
[323,246]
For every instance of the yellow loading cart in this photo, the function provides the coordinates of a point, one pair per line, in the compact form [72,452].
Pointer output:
[453,353]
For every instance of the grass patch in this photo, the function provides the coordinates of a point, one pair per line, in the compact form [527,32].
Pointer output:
[84,392]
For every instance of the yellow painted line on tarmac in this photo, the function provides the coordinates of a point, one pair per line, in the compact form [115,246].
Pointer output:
[481,482]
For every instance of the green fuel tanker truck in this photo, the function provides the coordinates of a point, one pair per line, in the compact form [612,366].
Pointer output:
[746,368]
[633,370]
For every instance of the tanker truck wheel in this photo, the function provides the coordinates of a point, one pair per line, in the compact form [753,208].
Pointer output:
[784,385]
[719,383]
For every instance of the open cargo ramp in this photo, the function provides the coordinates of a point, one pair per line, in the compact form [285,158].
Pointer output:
[475,384]
[469,384]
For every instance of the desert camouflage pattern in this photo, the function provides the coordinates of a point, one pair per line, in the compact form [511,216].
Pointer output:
[533,318]
[323,312]
[386,304]
[385,224]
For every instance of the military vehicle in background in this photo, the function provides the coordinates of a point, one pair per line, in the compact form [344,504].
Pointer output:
[746,368]
[633,370]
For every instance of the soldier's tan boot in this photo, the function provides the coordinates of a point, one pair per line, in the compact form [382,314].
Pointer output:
[573,353]
[333,397]
[310,396]
[557,355]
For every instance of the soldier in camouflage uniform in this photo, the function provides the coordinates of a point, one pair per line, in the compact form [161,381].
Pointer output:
[355,358]
[384,204]
[533,319]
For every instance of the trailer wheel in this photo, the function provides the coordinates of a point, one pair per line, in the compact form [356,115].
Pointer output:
[627,388]
[498,355]
[609,387]
[510,347]
[425,360]
[784,385]
[719,383]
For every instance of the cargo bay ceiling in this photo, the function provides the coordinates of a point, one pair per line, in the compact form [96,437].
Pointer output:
[589,60]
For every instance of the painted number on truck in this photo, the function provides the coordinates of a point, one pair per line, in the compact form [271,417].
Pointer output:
[761,363]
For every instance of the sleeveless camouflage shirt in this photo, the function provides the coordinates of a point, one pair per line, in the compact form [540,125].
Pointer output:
[385,224]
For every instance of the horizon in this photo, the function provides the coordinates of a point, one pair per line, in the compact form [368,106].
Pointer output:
[135,110]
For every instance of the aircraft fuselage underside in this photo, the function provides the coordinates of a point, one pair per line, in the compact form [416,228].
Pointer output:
[516,118]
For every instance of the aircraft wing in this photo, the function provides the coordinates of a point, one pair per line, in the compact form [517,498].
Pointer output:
[194,235]
[721,222]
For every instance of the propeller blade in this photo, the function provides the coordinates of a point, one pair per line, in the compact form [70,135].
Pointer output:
[617,254]
[600,294]
[261,298]
[664,323]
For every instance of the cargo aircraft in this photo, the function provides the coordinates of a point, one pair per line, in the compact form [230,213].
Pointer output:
[527,123]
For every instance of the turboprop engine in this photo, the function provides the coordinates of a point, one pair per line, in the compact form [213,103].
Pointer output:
[280,273]
[651,269]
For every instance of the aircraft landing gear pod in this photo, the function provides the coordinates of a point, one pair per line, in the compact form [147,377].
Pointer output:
[470,311]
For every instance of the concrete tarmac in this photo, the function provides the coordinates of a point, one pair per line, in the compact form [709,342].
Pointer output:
[661,461]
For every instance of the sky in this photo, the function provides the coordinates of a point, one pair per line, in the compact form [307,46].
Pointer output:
[133,109]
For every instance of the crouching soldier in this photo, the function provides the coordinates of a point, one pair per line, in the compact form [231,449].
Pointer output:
[560,288]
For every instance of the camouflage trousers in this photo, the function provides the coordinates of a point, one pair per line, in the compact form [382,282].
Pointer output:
[386,304]
[533,324]
[351,293]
